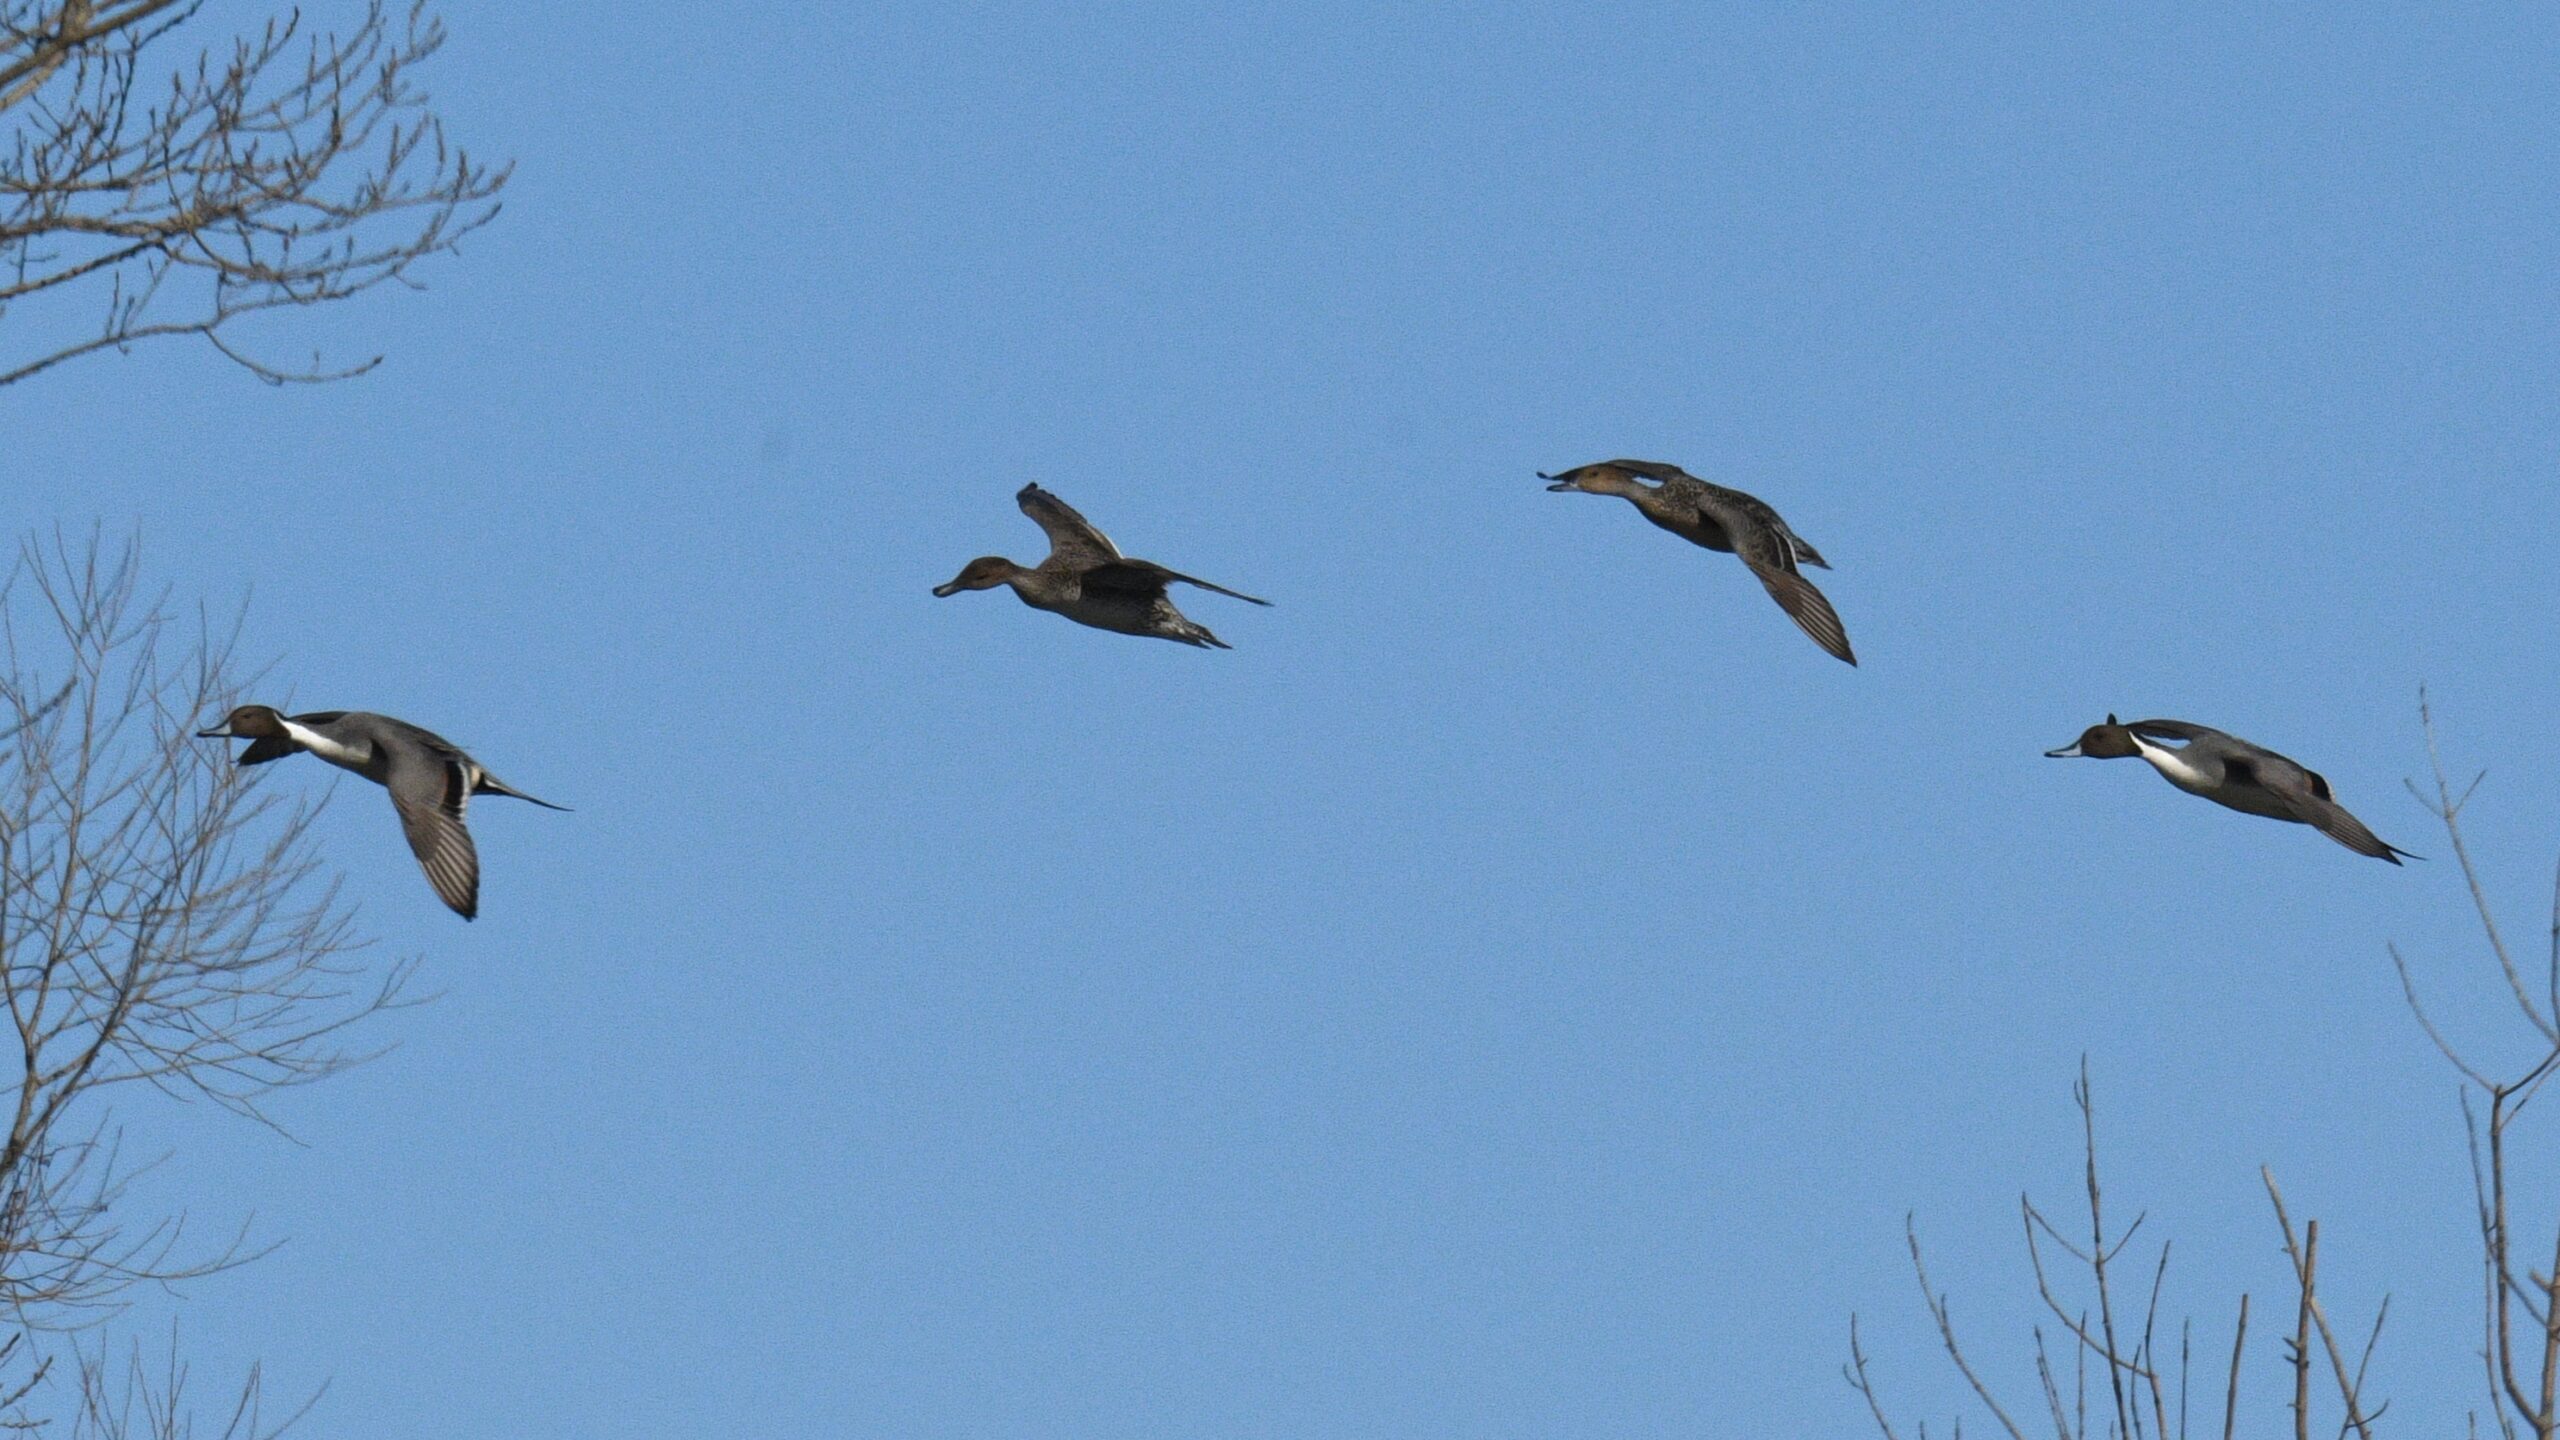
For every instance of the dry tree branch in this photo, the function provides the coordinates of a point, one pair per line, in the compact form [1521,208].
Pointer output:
[2135,1402]
[2305,1256]
[279,171]
[162,924]
[2231,1392]
[2447,808]
[2517,1393]
[1937,1303]
[1855,1372]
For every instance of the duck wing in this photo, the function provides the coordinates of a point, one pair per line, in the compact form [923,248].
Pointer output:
[1763,543]
[2304,795]
[2331,819]
[272,747]
[1657,470]
[2181,730]
[430,790]
[1719,501]
[1146,576]
[1071,536]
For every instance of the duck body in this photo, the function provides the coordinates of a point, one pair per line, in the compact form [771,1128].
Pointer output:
[2233,773]
[1139,609]
[1086,579]
[430,780]
[1727,521]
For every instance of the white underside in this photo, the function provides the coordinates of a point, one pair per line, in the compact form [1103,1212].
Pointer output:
[2174,768]
[324,747]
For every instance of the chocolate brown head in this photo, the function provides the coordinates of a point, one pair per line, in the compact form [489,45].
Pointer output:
[1600,479]
[2111,741]
[984,573]
[249,722]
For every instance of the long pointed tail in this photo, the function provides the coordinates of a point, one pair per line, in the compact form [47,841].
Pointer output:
[489,784]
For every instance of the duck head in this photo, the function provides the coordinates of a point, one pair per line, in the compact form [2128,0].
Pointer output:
[1601,479]
[984,573]
[2111,741]
[249,722]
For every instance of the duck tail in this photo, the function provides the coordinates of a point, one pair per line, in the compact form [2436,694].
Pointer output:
[489,784]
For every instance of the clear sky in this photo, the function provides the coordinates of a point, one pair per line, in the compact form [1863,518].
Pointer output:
[1520,989]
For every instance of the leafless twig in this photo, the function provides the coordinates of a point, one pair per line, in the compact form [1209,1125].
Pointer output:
[284,168]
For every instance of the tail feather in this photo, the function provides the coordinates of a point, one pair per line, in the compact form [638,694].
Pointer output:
[1809,609]
[2333,820]
[489,784]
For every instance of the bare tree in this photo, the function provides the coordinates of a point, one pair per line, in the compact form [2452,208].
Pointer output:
[164,929]
[2520,1313]
[280,169]
[2140,1388]
[2143,1390]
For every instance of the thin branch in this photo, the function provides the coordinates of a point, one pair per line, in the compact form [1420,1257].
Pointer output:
[1937,1304]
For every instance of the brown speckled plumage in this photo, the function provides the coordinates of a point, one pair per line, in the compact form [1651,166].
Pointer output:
[1726,520]
[1089,581]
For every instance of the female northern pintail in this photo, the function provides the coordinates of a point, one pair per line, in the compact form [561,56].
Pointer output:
[1722,519]
[429,777]
[1089,581]
[2230,771]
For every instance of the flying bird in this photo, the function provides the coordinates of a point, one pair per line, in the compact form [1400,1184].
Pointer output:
[1726,520]
[429,777]
[1089,581]
[2228,770]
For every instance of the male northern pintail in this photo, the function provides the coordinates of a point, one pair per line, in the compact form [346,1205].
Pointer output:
[429,777]
[1089,581]
[1722,519]
[2230,771]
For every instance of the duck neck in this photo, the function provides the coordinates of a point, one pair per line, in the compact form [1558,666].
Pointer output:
[2171,763]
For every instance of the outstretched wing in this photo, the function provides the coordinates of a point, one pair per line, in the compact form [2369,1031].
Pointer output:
[1146,576]
[1722,503]
[2179,730]
[1764,545]
[430,793]
[1071,536]
[1653,470]
[2304,794]
[2331,819]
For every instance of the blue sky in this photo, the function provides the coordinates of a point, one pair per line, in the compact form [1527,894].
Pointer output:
[1520,990]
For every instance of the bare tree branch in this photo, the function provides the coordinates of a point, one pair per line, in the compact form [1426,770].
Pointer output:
[279,170]
[162,925]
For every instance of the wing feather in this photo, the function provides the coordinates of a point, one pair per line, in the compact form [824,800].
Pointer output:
[1071,536]
[430,795]
[1145,576]
[1766,547]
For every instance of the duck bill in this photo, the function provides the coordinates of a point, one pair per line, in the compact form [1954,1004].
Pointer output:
[1556,482]
[947,590]
[2067,752]
[221,733]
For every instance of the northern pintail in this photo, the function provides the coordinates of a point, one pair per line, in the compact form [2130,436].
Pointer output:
[1089,581]
[429,777]
[1726,520]
[2230,771]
